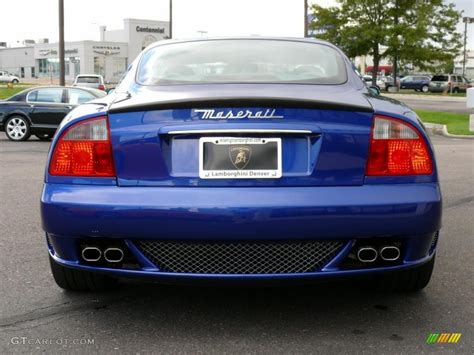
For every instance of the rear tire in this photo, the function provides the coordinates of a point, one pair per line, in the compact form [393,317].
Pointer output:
[79,280]
[425,88]
[15,81]
[17,129]
[410,280]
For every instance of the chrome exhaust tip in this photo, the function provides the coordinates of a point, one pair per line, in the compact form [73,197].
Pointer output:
[390,253]
[367,254]
[91,254]
[113,255]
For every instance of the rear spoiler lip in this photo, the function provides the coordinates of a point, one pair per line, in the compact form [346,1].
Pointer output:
[231,102]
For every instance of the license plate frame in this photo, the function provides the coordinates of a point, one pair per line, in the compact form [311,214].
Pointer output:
[238,163]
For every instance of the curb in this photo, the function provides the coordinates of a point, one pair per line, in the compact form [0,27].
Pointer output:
[420,97]
[442,130]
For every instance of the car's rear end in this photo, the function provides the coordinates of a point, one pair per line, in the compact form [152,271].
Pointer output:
[441,83]
[91,81]
[293,179]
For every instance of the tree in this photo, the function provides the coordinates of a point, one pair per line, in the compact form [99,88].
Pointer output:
[358,27]
[420,32]
[423,33]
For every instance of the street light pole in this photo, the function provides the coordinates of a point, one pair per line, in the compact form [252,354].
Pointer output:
[466,20]
[305,18]
[62,67]
[171,19]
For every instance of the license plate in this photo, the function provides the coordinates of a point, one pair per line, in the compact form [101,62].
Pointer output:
[239,158]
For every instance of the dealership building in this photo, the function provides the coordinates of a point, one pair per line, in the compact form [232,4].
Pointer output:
[109,57]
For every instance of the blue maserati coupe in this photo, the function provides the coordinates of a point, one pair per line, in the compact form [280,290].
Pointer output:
[241,159]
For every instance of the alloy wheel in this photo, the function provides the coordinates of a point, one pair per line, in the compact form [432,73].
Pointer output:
[17,128]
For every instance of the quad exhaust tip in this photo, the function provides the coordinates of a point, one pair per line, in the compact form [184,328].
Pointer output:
[367,254]
[91,254]
[390,253]
[113,255]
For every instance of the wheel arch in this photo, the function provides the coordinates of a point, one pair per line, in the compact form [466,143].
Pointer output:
[17,113]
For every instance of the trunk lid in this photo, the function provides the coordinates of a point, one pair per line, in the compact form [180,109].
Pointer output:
[324,133]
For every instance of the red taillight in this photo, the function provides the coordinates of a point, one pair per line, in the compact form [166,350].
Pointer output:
[397,148]
[102,87]
[84,149]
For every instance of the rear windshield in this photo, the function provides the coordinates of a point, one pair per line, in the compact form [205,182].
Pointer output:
[88,79]
[440,78]
[241,61]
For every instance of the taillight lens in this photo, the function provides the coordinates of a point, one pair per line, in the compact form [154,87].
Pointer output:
[397,148]
[102,87]
[84,150]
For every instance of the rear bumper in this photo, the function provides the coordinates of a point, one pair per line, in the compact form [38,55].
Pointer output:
[406,213]
[241,213]
[438,89]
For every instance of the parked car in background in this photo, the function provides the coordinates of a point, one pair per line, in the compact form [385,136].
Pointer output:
[416,82]
[90,81]
[216,160]
[449,83]
[6,77]
[40,110]
[367,78]
[380,82]
[388,82]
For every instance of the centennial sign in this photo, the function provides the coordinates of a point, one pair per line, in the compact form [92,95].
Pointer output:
[150,29]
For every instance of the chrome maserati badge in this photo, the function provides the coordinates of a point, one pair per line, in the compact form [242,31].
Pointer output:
[240,155]
[226,114]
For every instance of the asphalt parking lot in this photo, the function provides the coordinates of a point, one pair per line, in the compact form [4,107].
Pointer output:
[341,317]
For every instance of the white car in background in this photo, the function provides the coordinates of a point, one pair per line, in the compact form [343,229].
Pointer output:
[380,82]
[93,81]
[6,77]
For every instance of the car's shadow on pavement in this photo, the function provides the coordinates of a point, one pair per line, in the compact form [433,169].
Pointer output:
[251,311]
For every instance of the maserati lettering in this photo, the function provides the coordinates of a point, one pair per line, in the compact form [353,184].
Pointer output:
[210,114]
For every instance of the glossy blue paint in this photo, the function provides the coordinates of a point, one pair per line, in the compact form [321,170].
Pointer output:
[322,195]
[241,213]
[334,154]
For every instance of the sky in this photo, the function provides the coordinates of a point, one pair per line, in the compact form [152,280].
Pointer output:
[190,17]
